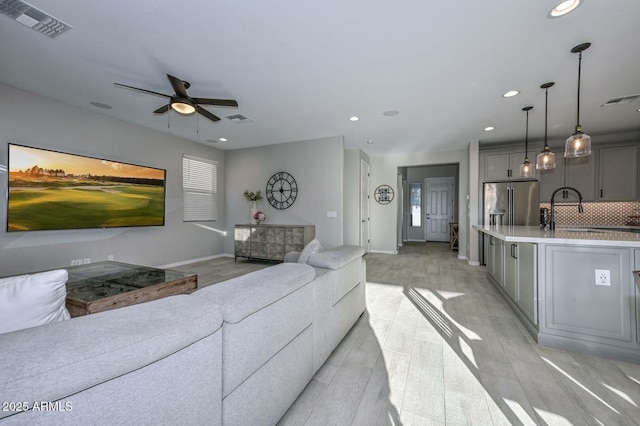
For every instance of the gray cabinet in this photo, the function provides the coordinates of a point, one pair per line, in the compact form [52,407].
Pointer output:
[617,173]
[498,251]
[511,270]
[505,166]
[550,180]
[579,308]
[528,280]
[271,242]
[520,277]
[578,173]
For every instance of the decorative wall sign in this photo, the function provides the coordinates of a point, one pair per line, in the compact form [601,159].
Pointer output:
[282,190]
[383,194]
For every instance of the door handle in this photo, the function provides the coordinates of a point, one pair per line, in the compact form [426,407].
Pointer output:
[514,251]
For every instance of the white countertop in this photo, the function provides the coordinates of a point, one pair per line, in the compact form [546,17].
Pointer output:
[579,236]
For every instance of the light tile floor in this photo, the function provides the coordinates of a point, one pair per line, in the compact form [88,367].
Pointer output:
[438,345]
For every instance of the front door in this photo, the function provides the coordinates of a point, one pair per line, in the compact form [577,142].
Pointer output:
[438,208]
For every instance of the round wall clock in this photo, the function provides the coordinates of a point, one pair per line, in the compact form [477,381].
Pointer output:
[282,190]
[383,194]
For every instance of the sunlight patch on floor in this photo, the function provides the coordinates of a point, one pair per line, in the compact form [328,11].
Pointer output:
[520,412]
[620,394]
[580,385]
[552,418]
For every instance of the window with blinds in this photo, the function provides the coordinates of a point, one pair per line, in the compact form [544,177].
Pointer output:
[199,188]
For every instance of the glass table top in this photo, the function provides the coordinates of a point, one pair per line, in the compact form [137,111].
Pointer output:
[103,279]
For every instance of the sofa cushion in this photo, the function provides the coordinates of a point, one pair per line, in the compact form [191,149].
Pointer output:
[32,300]
[247,294]
[335,258]
[71,356]
[312,247]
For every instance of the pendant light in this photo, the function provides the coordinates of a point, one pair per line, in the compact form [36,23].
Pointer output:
[578,144]
[526,168]
[546,160]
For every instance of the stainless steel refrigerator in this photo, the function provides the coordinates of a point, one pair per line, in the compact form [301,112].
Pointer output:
[516,202]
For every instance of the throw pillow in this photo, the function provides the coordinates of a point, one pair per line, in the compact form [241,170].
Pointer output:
[313,247]
[32,300]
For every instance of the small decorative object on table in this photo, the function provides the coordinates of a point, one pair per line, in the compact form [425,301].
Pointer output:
[259,217]
[253,196]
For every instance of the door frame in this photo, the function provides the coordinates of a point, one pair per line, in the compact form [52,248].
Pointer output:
[365,202]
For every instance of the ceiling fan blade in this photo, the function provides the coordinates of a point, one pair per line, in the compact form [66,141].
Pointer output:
[216,102]
[162,109]
[178,86]
[207,113]
[137,89]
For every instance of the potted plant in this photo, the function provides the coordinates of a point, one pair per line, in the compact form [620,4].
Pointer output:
[253,197]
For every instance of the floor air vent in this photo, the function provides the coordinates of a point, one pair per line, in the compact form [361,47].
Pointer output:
[33,18]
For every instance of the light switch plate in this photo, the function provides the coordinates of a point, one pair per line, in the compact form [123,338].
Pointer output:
[603,277]
[332,214]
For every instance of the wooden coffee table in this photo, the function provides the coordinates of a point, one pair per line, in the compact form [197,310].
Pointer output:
[103,286]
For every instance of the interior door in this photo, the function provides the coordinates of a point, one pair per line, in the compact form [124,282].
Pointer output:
[364,205]
[438,208]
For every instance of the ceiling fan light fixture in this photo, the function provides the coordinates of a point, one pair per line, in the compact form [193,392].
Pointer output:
[564,7]
[182,106]
[579,143]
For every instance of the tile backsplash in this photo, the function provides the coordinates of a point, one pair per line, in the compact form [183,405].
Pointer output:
[603,214]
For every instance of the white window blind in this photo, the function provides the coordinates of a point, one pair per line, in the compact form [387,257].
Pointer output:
[199,188]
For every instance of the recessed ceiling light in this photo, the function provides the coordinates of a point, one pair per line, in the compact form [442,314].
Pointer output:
[489,128]
[390,113]
[101,105]
[510,93]
[563,8]
[354,118]
[370,141]
[222,139]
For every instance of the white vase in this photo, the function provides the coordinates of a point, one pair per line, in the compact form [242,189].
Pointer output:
[254,209]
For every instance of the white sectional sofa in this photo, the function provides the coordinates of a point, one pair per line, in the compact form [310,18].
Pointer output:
[234,353]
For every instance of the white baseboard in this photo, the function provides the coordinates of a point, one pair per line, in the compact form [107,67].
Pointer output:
[186,262]
[474,263]
[383,252]
[462,257]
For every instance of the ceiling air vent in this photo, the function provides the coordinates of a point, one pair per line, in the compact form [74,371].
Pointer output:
[33,18]
[621,100]
[239,118]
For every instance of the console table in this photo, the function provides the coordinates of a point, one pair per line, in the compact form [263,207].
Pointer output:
[103,286]
[271,242]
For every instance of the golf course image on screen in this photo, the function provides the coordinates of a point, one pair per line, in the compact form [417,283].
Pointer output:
[53,190]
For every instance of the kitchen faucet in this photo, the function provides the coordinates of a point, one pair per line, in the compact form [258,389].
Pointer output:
[552,222]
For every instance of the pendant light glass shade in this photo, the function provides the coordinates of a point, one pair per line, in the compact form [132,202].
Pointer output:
[526,168]
[578,144]
[546,160]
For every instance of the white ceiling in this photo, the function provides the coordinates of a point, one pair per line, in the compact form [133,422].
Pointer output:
[300,69]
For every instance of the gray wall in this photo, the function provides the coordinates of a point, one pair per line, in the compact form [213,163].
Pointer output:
[384,218]
[33,120]
[318,167]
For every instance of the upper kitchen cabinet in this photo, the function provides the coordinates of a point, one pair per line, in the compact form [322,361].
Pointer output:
[578,173]
[506,166]
[618,173]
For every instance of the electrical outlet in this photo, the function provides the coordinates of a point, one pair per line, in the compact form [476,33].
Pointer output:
[76,262]
[86,260]
[603,277]
[332,213]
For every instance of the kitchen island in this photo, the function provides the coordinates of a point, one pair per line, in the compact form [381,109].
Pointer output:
[572,288]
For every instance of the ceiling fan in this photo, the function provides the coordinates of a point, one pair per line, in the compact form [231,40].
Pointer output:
[183,103]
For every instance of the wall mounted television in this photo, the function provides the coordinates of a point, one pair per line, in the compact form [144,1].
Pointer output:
[51,190]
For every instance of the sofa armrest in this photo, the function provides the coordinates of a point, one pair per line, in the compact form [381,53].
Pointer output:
[292,257]
[61,359]
[335,258]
